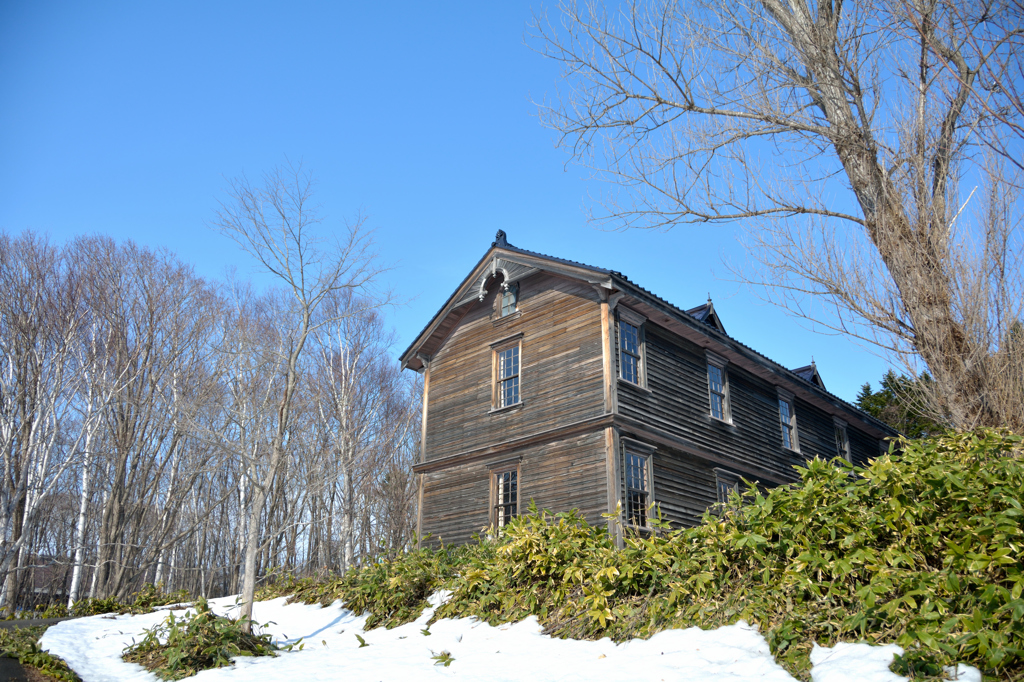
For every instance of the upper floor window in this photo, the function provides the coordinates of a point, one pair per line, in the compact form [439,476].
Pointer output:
[638,488]
[842,439]
[507,376]
[509,300]
[718,387]
[787,418]
[629,344]
[631,347]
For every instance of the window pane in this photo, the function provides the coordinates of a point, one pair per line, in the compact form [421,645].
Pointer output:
[637,509]
[716,386]
[510,391]
[629,338]
[508,301]
[725,489]
[841,443]
[508,363]
[715,378]
[716,406]
[630,371]
[636,472]
[507,495]
[637,489]
[787,423]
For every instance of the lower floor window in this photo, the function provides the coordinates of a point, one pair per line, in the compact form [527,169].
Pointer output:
[638,489]
[726,483]
[725,491]
[506,489]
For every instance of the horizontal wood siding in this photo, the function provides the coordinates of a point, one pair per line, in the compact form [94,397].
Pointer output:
[684,487]
[558,476]
[561,370]
[864,447]
[677,401]
[567,474]
[456,503]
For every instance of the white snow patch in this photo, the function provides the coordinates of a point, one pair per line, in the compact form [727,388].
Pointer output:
[511,652]
[963,673]
[852,662]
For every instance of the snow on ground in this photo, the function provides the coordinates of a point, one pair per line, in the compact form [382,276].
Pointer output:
[93,646]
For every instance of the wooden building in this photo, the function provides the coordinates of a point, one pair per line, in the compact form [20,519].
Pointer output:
[571,386]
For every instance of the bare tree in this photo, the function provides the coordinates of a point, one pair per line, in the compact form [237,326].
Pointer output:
[158,318]
[139,410]
[361,402]
[275,224]
[39,322]
[846,136]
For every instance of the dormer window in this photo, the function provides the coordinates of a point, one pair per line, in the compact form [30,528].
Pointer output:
[509,300]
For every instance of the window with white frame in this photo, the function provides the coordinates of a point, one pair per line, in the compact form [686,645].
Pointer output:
[787,419]
[842,439]
[505,496]
[631,342]
[509,300]
[718,387]
[638,486]
[507,374]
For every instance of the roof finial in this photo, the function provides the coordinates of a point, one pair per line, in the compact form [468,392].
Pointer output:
[500,239]
[813,364]
[709,298]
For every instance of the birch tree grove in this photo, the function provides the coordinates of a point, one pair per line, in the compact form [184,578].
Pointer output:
[159,428]
[872,150]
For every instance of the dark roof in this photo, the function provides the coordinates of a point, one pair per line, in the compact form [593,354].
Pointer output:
[563,261]
[809,373]
[706,314]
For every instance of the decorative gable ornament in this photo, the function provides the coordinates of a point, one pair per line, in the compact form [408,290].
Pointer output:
[511,272]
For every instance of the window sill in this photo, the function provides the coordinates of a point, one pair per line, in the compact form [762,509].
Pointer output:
[623,382]
[727,422]
[507,408]
[796,449]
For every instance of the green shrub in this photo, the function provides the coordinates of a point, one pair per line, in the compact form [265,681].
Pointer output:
[199,640]
[923,548]
[23,644]
[393,590]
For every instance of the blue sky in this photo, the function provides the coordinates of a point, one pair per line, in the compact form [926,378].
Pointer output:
[127,119]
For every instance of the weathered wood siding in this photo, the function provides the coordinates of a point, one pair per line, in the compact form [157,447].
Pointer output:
[560,475]
[561,373]
[561,385]
[676,400]
[684,486]
[561,379]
